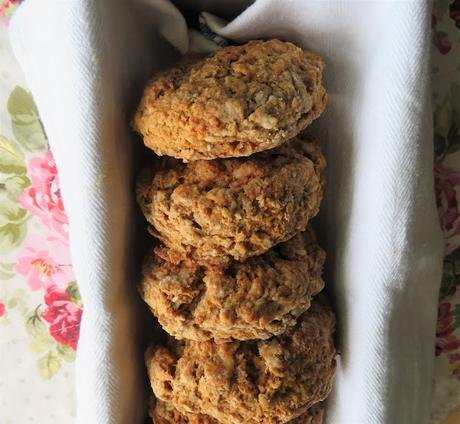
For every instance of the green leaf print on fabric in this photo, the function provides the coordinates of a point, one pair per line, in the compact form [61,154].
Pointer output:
[65,352]
[25,121]
[41,339]
[34,324]
[15,185]
[447,123]
[73,293]
[49,365]
[38,345]
[11,236]
[7,271]
[11,157]
[13,216]
[456,315]
[18,299]
[451,275]
[43,342]
[11,212]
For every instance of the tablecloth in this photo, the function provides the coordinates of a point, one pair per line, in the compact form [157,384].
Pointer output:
[40,309]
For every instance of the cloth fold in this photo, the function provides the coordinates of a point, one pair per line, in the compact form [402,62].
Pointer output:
[86,67]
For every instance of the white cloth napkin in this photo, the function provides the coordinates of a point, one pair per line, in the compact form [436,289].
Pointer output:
[86,61]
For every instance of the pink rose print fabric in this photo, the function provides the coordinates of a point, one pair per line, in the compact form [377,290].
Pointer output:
[446,340]
[35,264]
[447,184]
[63,315]
[446,118]
[6,9]
[45,263]
[43,198]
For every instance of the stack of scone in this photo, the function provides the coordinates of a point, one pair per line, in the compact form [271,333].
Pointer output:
[236,268]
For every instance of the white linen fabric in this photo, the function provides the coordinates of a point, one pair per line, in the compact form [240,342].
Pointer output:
[86,62]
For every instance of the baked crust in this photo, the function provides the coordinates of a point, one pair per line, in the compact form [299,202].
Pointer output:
[235,102]
[270,381]
[211,211]
[164,413]
[256,299]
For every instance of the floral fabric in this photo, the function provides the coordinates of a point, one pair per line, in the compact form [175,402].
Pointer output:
[446,119]
[41,262]
[39,301]
[40,307]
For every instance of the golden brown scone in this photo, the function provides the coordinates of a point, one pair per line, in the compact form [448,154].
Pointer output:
[314,415]
[210,211]
[256,299]
[163,412]
[237,101]
[268,382]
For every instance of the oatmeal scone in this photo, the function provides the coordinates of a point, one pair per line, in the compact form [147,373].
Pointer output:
[314,415]
[210,211]
[271,381]
[237,101]
[255,299]
[163,412]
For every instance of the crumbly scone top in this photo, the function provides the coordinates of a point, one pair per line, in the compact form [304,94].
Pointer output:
[235,102]
[163,412]
[213,211]
[253,300]
[269,381]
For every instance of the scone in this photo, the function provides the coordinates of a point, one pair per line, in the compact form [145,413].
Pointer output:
[268,382]
[237,101]
[210,211]
[163,412]
[314,415]
[256,299]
